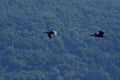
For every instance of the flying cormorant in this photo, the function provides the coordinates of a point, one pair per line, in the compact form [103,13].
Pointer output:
[50,33]
[99,34]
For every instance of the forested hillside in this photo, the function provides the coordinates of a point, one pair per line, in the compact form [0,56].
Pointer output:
[26,52]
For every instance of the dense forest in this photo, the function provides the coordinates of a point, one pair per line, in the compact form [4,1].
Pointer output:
[26,53]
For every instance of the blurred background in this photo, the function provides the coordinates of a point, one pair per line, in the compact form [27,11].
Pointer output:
[26,53]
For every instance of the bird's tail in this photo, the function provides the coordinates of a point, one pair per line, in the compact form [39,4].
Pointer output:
[45,32]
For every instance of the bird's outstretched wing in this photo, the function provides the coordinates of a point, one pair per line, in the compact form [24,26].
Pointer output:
[49,35]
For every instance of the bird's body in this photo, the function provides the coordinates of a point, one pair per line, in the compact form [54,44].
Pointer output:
[50,33]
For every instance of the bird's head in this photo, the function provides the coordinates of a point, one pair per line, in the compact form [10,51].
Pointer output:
[55,32]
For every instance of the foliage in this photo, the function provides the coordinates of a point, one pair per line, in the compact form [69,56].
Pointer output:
[26,53]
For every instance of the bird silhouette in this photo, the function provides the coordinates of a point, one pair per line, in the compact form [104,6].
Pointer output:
[99,34]
[50,33]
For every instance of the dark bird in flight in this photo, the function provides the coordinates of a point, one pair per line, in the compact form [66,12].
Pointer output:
[99,34]
[50,33]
